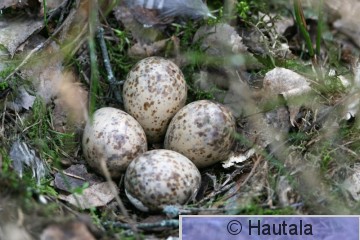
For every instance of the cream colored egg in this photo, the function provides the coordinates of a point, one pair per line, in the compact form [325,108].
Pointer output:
[203,132]
[161,177]
[154,90]
[115,137]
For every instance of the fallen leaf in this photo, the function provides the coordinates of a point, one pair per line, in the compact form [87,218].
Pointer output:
[75,177]
[97,195]
[291,85]
[352,184]
[14,31]
[282,80]
[23,100]
[22,155]
[238,158]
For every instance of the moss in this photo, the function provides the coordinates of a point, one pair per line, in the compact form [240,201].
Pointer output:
[51,145]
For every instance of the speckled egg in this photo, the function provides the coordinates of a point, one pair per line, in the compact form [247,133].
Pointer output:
[154,90]
[115,137]
[203,132]
[161,177]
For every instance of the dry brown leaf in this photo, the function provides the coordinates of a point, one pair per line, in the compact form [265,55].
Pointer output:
[238,158]
[290,85]
[45,72]
[75,177]
[23,100]
[15,31]
[97,195]
[282,80]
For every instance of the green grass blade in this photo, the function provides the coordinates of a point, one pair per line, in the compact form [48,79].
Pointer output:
[319,28]
[300,21]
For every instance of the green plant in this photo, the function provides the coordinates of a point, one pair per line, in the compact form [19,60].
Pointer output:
[39,129]
[45,9]
[218,19]
[243,9]
[3,75]
[120,61]
[301,23]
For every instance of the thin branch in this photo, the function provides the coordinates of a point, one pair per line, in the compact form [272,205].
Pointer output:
[253,170]
[171,223]
[222,189]
[110,75]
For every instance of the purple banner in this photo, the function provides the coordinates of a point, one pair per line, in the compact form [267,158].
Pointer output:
[270,228]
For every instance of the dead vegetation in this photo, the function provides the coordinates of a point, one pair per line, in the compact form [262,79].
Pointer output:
[289,72]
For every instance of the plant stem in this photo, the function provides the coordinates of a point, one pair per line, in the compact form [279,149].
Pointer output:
[110,75]
[300,20]
[319,28]
[93,21]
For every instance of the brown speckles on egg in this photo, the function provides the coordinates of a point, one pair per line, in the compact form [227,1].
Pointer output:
[158,81]
[116,144]
[147,105]
[205,135]
[161,177]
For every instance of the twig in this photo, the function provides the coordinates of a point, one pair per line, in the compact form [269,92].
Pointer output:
[2,130]
[222,189]
[267,43]
[110,75]
[115,192]
[59,10]
[252,172]
[36,49]
[171,223]
[347,150]
[93,23]
[214,194]
[69,174]
[174,211]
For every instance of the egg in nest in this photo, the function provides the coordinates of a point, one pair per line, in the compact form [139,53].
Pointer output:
[161,177]
[203,131]
[113,136]
[154,90]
